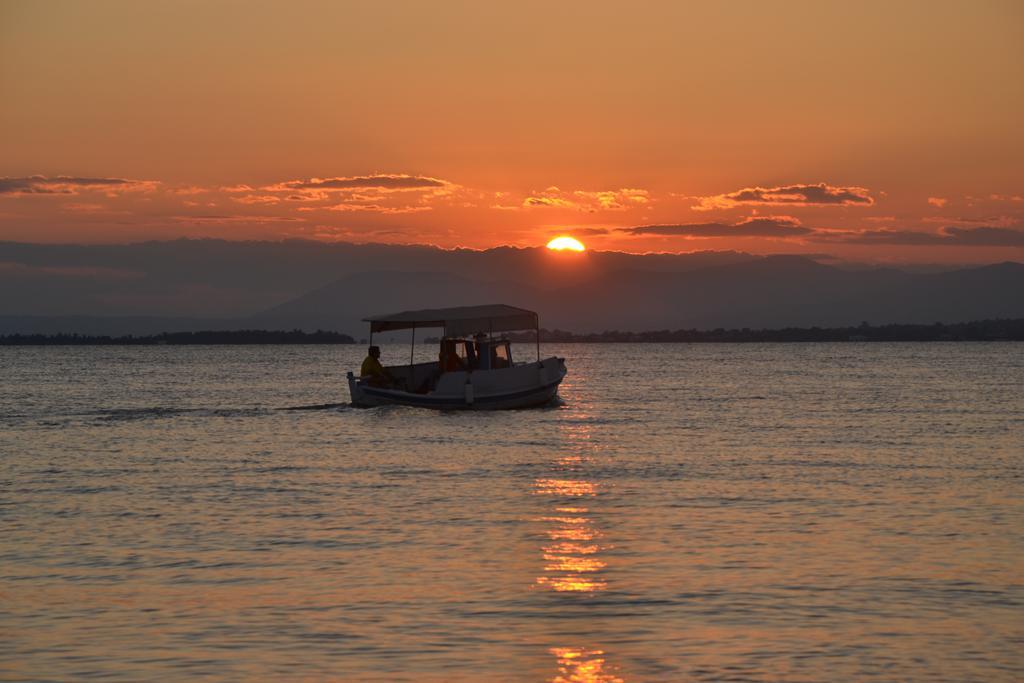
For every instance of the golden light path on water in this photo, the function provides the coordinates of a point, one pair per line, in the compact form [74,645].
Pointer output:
[582,666]
[572,562]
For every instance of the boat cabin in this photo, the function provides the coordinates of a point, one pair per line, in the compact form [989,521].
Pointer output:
[479,353]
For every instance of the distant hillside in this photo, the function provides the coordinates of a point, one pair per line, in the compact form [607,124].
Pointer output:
[192,285]
[765,293]
[221,279]
[788,291]
[343,304]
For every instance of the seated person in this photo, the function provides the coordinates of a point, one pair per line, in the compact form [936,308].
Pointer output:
[373,373]
[448,359]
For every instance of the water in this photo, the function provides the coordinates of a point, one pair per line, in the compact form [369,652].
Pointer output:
[706,512]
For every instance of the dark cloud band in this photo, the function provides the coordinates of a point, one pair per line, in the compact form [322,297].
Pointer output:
[952,236]
[382,182]
[38,184]
[818,194]
[752,227]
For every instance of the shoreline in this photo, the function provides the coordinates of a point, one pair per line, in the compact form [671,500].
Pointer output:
[997,330]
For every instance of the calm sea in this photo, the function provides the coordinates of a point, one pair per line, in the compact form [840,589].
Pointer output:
[803,512]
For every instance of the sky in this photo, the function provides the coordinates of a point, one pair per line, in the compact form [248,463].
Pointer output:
[872,131]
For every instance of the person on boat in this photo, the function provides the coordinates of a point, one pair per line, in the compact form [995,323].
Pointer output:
[448,359]
[373,373]
[479,346]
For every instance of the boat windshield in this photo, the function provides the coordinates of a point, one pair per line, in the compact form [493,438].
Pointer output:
[479,353]
[501,355]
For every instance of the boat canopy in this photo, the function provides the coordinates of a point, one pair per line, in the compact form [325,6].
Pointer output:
[458,321]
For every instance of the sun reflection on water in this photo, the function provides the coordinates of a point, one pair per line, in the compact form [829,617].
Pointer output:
[570,562]
[576,665]
[566,487]
[573,564]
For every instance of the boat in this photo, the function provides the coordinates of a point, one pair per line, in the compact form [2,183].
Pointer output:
[475,369]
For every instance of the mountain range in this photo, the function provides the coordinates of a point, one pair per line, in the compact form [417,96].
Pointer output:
[186,285]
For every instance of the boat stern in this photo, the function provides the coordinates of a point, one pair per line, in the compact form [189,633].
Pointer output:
[354,389]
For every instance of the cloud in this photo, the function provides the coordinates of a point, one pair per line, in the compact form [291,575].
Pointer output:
[373,208]
[951,236]
[775,226]
[1001,221]
[189,190]
[587,200]
[820,194]
[938,201]
[386,182]
[385,193]
[70,185]
[257,199]
[615,200]
[549,202]
[362,235]
[587,232]
[985,236]
[84,207]
[232,218]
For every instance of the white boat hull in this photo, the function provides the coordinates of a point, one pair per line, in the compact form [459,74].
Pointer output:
[523,386]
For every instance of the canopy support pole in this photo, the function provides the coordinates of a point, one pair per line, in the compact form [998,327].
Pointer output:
[536,329]
[412,348]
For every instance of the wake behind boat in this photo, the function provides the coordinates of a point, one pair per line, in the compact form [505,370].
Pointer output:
[474,371]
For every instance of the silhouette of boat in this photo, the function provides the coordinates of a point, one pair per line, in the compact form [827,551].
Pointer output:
[475,369]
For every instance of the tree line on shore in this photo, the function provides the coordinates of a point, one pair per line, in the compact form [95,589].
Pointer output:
[978,330]
[207,337]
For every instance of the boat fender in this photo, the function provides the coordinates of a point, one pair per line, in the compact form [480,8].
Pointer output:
[469,391]
[540,372]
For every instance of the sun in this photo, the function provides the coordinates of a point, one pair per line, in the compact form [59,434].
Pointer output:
[566,243]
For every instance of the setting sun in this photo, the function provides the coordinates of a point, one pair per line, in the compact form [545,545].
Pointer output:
[563,243]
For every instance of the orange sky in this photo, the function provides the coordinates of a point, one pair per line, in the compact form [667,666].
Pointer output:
[874,131]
